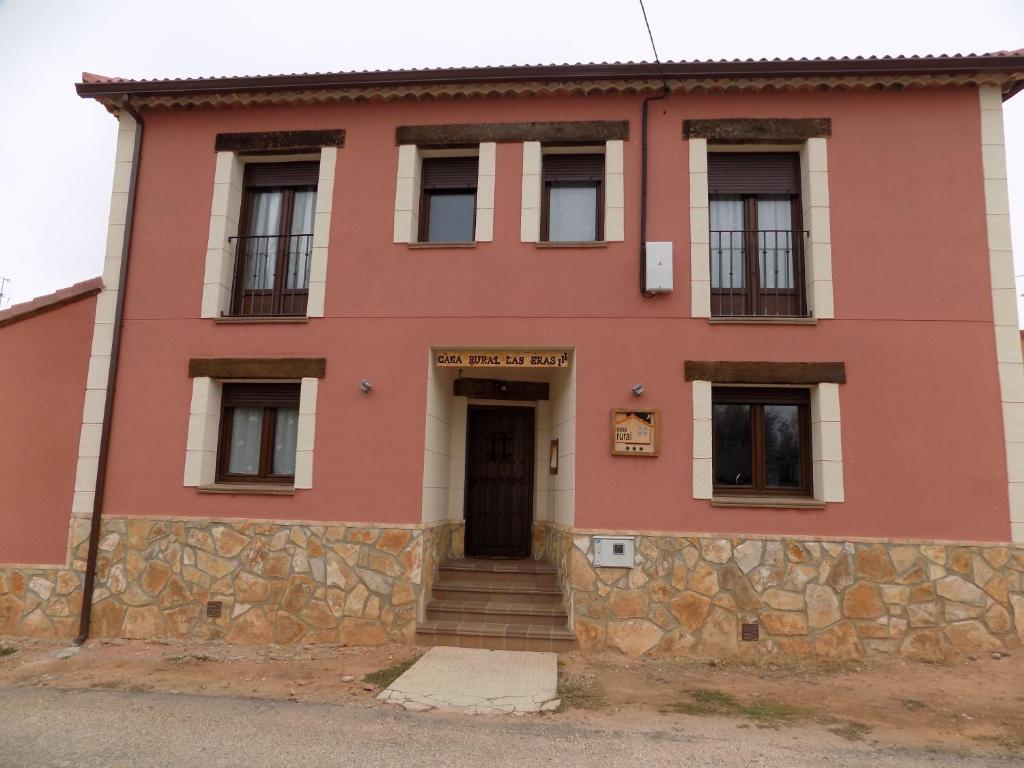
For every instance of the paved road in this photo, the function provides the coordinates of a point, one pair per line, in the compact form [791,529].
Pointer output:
[117,729]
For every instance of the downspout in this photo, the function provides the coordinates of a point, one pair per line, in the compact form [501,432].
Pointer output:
[643,190]
[108,405]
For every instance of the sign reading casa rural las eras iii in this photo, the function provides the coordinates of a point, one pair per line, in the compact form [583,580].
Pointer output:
[517,358]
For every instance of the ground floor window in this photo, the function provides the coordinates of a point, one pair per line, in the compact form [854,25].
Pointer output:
[761,441]
[259,431]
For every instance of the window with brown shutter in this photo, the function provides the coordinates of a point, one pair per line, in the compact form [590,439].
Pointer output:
[259,429]
[757,242]
[273,249]
[572,198]
[448,199]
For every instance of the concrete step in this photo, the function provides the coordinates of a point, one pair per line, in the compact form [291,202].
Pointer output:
[511,571]
[480,591]
[496,636]
[541,614]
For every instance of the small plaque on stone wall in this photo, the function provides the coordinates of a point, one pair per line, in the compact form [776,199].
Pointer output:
[634,433]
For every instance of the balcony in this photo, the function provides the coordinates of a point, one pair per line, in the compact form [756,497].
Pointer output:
[769,285]
[271,275]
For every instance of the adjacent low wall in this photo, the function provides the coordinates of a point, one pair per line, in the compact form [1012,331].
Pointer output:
[835,599]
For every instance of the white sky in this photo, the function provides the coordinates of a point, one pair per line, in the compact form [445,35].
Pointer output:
[56,150]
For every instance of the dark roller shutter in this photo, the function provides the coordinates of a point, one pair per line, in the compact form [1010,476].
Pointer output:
[282,174]
[765,173]
[261,395]
[573,167]
[450,172]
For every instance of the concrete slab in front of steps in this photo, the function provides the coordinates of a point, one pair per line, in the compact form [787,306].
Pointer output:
[478,682]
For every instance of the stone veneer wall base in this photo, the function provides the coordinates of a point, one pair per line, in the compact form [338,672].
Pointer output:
[275,582]
[689,595]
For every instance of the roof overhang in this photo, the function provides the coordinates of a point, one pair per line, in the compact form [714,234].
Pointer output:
[1004,69]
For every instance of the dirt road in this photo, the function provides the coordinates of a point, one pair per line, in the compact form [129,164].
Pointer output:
[59,728]
[130,703]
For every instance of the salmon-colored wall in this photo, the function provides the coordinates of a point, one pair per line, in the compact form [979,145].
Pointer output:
[921,418]
[43,365]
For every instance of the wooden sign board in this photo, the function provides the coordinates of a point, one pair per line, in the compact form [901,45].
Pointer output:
[496,358]
[634,432]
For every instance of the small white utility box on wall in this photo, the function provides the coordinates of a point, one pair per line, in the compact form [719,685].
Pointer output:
[659,267]
[613,551]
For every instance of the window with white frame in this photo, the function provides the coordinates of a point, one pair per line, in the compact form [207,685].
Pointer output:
[760,239]
[251,433]
[445,196]
[270,222]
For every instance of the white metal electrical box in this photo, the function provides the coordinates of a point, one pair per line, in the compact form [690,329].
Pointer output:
[659,267]
[614,551]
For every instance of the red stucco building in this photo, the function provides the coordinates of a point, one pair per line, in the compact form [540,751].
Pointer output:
[725,363]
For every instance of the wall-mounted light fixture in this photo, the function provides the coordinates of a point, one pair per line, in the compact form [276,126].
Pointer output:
[638,388]
[365,385]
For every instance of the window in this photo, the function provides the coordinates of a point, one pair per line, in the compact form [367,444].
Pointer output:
[259,431]
[573,199]
[273,252]
[448,200]
[761,441]
[757,247]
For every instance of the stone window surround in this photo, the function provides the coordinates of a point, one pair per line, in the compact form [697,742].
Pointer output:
[1004,300]
[204,433]
[826,447]
[407,189]
[225,212]
[814,196]
[614,187]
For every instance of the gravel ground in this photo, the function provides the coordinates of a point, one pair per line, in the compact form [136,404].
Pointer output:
[117,729]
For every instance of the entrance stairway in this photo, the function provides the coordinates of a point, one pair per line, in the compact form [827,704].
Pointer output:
[512,605]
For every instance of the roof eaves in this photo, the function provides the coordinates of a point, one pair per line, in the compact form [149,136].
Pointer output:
[51,301]
[95,86]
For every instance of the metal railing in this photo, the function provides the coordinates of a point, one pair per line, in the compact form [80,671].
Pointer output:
[771,284]
[271,275]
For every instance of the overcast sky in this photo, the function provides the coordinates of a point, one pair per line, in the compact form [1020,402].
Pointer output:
[56,150]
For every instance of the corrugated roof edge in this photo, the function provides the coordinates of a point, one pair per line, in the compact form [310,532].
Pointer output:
[50,301]
[1010,62]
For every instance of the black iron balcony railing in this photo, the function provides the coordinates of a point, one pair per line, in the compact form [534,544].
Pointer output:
[271,275]
[758,273]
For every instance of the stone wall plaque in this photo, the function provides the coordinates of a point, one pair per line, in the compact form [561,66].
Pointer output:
[634,432]
[500,358]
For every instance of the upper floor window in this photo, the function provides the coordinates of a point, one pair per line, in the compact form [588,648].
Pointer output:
[757,242]
[272,253]
[761,441]
[448,199]
[259,431]
[572,201]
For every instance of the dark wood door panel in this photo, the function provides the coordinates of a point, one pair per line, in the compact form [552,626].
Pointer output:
[499,481]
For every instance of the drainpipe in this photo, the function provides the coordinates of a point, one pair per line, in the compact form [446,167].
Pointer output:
[643,189]
[108,406]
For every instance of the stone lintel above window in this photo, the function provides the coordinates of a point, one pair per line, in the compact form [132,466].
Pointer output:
[469,134]
[764,372]
[283,142]
[258,368]
[766,130]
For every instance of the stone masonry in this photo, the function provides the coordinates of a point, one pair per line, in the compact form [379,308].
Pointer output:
[834,599]
[351,584]
[275,583]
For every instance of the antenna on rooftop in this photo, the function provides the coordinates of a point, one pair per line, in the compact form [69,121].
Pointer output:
[3,284]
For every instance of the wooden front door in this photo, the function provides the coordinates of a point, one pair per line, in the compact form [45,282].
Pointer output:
[499,481]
